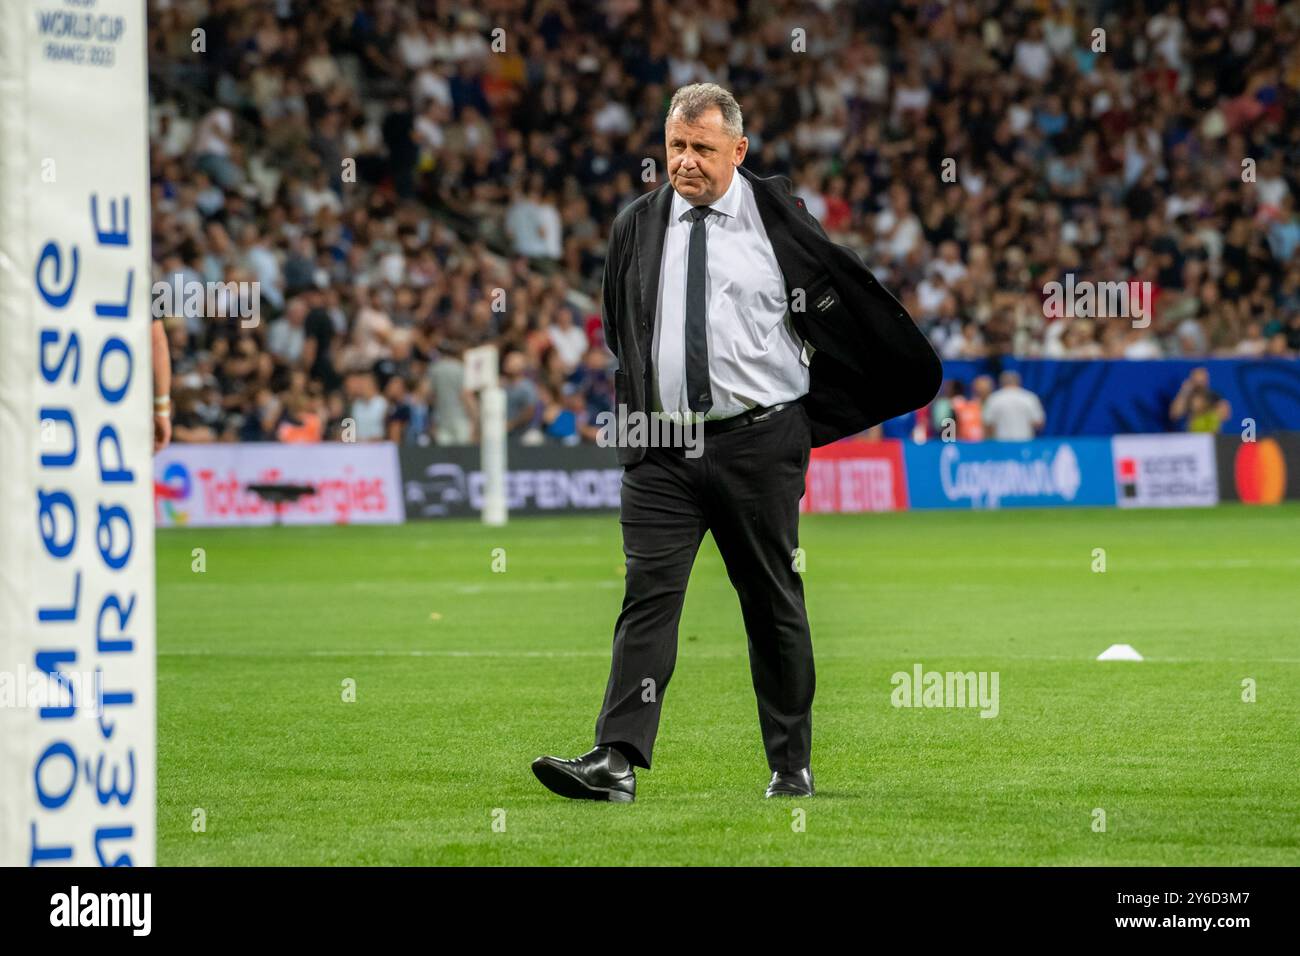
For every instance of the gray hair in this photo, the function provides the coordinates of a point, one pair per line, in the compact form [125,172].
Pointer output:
[698,98]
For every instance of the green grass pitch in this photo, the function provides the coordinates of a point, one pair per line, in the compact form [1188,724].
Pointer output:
[464,675]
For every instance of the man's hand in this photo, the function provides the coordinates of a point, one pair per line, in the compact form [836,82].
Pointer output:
[162,430]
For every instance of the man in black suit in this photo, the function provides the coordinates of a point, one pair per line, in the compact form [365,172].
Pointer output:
[727,306]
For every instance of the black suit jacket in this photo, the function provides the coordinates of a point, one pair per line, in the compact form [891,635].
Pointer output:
[869,360]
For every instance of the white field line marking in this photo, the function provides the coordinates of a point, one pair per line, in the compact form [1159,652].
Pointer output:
[531,586]
[740,654]
[1130,563]
[383,653]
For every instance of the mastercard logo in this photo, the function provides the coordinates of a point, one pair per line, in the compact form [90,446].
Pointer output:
[1260,472]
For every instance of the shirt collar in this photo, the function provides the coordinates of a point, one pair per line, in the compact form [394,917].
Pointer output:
[728,203]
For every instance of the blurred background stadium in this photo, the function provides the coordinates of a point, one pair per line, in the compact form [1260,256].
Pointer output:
[478,171]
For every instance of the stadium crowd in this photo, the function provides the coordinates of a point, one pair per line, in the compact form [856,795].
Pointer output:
[406,181]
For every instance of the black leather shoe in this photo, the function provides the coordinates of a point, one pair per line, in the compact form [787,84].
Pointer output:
[600,774]
[791,783]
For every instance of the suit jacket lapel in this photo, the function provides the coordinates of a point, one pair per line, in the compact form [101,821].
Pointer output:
[651,227]
[807,262]
[788,236]
[792,242]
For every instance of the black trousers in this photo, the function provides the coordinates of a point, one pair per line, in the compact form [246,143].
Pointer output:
[745,489]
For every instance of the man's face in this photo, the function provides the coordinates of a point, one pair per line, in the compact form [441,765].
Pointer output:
[702,156]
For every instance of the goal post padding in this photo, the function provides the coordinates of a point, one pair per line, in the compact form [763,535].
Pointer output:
[77,648]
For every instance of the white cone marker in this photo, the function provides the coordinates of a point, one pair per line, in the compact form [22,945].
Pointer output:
[1119,652]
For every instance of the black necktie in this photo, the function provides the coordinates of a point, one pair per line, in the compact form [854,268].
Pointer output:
[699,396]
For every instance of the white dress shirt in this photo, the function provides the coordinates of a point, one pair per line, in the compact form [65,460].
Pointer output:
[755,355]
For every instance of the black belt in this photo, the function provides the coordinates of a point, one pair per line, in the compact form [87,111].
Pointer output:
[759,413]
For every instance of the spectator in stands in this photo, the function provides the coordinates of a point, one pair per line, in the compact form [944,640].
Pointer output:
[262,418]
[214,148]
[447,385]
[373,331]
[968,413]
[522,399]
[561,416]
[1012,413]
[533,223]
[939,419]
[286,335]
[321,330]
[591,380]
[398,422]
[1253,344]
[569,340]
[300,422]
[1197,407]
[369,409]
[187,426]
[898,230]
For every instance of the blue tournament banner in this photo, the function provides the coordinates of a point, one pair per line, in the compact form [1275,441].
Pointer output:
[1004,474]
[1132,396]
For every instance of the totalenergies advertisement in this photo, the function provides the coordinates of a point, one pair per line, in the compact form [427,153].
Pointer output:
[211,485]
